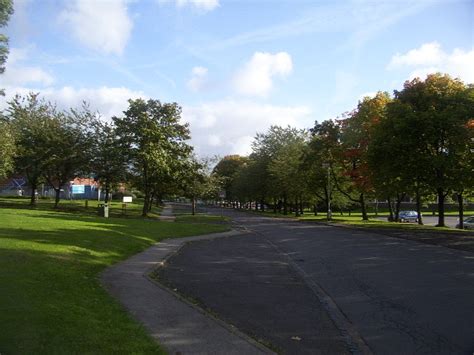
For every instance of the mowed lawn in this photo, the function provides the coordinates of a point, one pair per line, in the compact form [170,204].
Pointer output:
[51,300]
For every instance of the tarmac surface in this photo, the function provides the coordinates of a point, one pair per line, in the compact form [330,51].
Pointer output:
[307,288]
[177,325]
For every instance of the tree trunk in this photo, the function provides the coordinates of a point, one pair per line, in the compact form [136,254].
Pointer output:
[285,206]
[146,201]
[262,205]
[297,210]
[315,209]
[418,207]
[107,191]
[390,209]
[400,197]
[461,210]
[274,205]
[145,206]
[301,205]
[363,207]
[193,205]
[150,203]
[441,197]
[33,195]
[57,192]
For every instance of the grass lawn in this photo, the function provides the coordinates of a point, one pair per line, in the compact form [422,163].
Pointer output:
[51,301]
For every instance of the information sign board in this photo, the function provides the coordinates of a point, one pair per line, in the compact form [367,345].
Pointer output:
[78,189]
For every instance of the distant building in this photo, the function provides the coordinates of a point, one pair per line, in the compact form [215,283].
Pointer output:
[79,188]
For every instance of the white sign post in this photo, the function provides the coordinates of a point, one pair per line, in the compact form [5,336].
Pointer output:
[125,200]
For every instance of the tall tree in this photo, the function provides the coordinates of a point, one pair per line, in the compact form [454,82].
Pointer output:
[68,144]
[284,167]
[108,158]
[7,148]
[30,118]
[272,150]
[227,169]
[441,107]
[319,160]
[357,130]
[154,137]
[6,10]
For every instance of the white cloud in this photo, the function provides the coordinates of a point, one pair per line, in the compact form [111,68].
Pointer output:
[17,74]
[427,54]
[22,75]
[104,26]
[430,58]
[108,101]
[198,79]
[201,5]
[228,126]
[256,77]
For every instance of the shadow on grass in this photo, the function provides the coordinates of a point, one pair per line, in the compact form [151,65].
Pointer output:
[133,210]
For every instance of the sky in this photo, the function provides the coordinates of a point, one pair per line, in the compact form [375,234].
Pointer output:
[236,67]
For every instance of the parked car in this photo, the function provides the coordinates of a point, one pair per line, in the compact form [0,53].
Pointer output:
[408,216]
[468,223]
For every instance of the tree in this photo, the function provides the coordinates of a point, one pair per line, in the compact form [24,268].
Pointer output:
[6,10]
[284,167]
[68,147]
[30,120]
[435,114]
[109,159]
[155,140]
[277,154]
[356,133]
[319,160]
[227,169]
[7,149]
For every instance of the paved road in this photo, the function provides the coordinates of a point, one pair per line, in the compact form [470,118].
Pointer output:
[297,286]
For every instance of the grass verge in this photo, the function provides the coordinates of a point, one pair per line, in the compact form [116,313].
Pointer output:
[51,300]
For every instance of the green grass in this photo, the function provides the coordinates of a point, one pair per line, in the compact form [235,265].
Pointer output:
[116,209]
[355,220]
[51,301]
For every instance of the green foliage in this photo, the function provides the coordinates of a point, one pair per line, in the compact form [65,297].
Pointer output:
[427,131]
[51,144]
[320,156]
[30,119]
[6,10]
[108,159]
[155,140]
[7,149]
[227,170]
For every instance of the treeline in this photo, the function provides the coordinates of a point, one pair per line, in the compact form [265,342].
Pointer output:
[145,148]
[418,143]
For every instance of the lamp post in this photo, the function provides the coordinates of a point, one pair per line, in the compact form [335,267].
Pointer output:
[329,212]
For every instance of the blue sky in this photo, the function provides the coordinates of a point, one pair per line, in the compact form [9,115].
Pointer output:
[236,67]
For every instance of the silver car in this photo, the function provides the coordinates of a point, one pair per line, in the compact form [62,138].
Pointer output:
[408,216]
[468,223]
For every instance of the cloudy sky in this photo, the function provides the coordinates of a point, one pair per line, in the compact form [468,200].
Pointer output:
[237,66]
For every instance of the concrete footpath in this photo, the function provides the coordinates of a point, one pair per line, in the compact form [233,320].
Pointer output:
[178,326]
[167,214]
